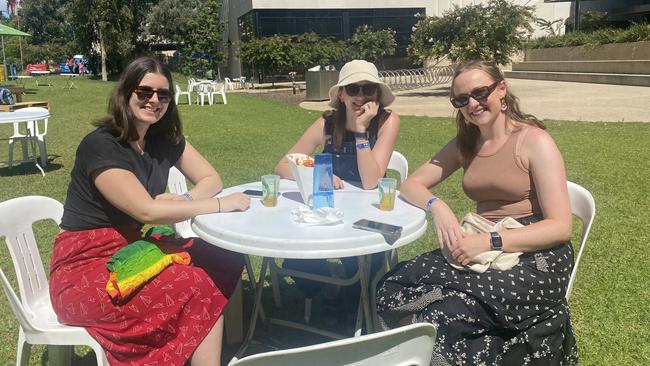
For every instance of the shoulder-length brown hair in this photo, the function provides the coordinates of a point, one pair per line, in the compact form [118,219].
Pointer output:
[468,133]
[120,117]
[339,116]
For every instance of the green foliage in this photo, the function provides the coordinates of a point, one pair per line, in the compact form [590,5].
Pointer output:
[370,45]
[589,21]
[171,21]
[52,35]
[634,33]
[489,32]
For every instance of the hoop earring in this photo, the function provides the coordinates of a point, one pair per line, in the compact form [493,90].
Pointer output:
[504,106]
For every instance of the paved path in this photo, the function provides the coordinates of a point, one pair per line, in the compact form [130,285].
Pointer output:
[556,100]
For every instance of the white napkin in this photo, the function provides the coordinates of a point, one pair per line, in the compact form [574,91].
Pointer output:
[319,216]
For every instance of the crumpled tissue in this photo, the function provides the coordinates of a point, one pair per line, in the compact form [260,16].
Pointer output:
[319,216]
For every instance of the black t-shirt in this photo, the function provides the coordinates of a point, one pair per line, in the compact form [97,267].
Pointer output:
[85,207]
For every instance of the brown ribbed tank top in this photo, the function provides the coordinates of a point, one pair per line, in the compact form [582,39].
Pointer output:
[500,184]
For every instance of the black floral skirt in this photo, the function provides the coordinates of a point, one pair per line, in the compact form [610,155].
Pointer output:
[514,317]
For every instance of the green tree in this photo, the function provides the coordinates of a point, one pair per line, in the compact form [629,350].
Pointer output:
[490,32]
[171,21]
[53,36]
[370,45]
[106,25]
[269,54]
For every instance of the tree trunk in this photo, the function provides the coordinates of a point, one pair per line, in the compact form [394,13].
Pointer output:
[102,51]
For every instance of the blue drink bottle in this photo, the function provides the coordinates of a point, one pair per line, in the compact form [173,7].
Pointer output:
[323,181]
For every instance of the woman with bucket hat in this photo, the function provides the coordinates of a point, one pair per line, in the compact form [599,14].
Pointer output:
[360,133]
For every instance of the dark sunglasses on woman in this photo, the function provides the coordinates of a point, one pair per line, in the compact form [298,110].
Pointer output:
[478,94]
[368,89]
[144,93]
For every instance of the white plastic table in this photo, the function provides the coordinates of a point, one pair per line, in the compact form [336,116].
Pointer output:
[25,118]
[44,77]
[271,233]
[20,79]
[69,82]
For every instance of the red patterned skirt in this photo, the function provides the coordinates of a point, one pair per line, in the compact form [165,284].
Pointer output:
[165,321]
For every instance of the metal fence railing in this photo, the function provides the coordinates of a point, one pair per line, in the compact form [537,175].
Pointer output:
[405,79]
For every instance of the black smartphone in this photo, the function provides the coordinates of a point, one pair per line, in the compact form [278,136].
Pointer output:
[378,227]
[253,193]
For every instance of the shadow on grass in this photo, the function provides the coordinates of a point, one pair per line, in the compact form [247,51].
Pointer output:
[28,168]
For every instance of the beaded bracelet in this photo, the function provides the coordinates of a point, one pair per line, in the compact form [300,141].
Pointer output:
[187,196]
[427,206]
[363,145]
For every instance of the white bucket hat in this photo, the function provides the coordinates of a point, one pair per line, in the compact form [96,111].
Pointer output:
[360,70]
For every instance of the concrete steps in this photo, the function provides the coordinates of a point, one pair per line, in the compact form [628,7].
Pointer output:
[582,77]
[620,72]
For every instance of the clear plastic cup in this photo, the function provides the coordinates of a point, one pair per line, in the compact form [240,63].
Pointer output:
[387,188]
[270,190]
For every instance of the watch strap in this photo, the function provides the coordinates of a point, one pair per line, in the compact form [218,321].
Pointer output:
[361,135]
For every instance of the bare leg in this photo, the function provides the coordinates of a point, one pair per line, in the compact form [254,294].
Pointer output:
[208,353]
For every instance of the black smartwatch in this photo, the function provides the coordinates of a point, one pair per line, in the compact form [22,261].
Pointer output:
[495,241]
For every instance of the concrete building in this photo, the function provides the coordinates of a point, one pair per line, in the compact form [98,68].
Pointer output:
[340,18]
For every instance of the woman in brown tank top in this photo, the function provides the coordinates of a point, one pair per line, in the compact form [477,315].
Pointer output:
[512,167]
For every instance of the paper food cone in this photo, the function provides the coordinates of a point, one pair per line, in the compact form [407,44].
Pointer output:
[304,176]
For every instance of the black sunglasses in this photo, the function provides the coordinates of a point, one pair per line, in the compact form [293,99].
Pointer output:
[145,93]
[368,89]
[481,93]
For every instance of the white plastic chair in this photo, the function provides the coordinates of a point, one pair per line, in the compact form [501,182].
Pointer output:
[229,84]
[180,92]
[410,345]
[176,183]
[583,207]
[204,89]
[38,322]
[218,90]
[398,163]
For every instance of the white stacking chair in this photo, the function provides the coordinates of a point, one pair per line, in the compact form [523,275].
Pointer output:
[204,90]
[410,345]
[176,183]
[398,163]
[218,90]
[229,84]
[38,322]
[180,92]
[583,207]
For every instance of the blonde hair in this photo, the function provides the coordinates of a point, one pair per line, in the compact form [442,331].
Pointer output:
[468,133]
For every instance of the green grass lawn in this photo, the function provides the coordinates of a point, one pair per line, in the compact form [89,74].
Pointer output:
[245,139]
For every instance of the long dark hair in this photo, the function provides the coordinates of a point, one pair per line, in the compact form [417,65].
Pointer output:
[120,118]
[468,133]
[339,116]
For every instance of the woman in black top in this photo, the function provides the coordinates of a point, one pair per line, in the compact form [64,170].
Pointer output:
[117,185]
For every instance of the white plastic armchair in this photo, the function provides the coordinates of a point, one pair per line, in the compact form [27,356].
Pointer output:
[583,207]
[180,92]
[229,84]
[38,322]
[218,89]
[204,90]
[410,345]
[399,163]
